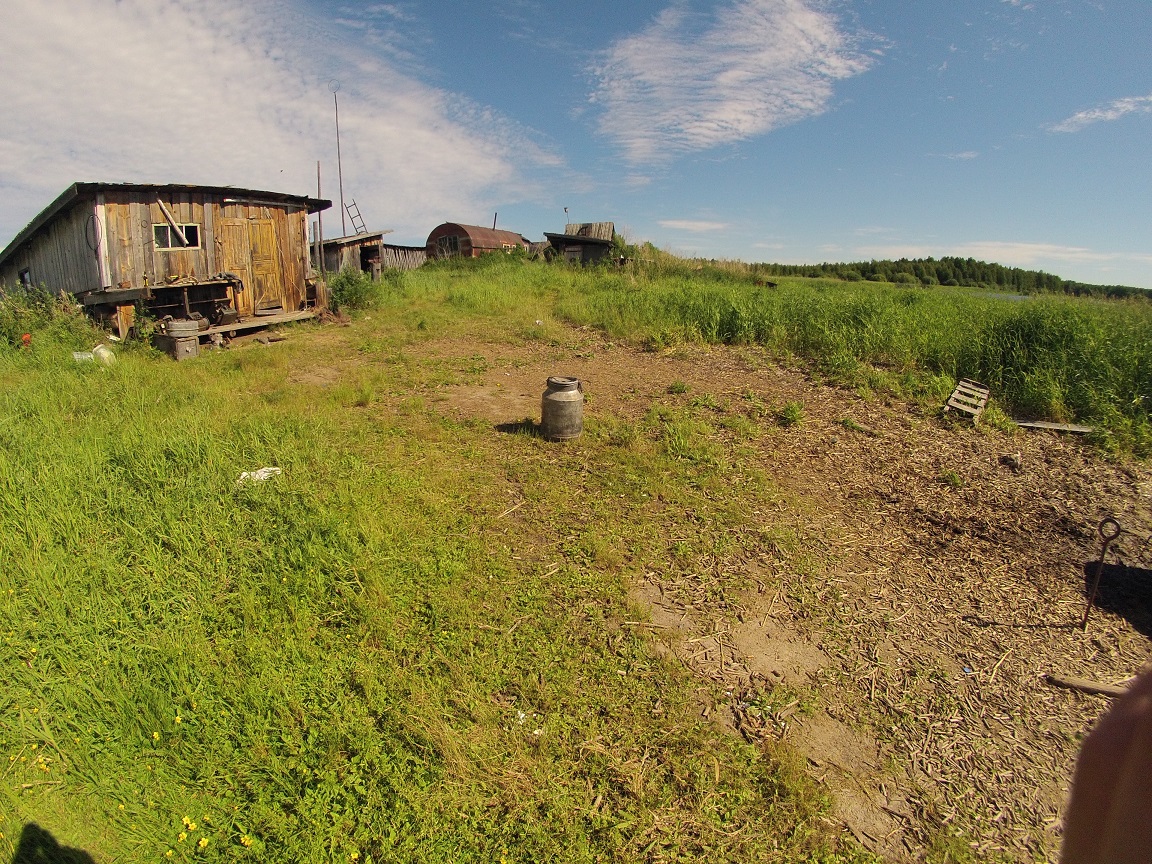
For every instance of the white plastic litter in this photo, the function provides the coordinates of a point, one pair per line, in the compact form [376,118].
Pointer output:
[82,356]
[259,476]
[103,355]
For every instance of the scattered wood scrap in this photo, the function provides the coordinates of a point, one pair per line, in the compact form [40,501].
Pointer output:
[969,397]
[1054,427]
[1084,685]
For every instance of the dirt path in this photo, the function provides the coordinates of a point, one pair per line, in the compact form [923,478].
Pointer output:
[902,643]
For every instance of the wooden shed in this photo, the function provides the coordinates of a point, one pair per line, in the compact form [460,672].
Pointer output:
[471,241]
[175,249]
[370,254]
[582,243]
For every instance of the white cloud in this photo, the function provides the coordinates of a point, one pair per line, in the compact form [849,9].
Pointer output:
[964,156]
[1112,111]
[218,92]
[691,81]
[694,226]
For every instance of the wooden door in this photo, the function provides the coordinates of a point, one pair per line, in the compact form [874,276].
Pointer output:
[233,253]
[267,279]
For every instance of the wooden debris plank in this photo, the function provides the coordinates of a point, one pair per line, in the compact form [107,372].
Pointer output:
[1055,427]
[1084,685]
[260,321]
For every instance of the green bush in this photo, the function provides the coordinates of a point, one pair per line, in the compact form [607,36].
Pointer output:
[352,289]
[45,317]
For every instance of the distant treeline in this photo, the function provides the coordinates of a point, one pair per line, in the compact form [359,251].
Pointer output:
[951,271]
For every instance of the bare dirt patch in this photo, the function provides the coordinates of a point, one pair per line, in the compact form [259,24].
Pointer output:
[939,573]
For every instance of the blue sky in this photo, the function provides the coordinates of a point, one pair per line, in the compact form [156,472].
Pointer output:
[1016,131]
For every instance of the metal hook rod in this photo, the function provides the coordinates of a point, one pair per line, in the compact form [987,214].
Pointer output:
[1109,530]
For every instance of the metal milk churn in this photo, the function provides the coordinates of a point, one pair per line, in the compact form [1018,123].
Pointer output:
[562,409]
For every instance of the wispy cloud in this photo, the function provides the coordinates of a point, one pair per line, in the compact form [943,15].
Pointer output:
[693,81]
[963,156]
[220,92]
[695,226]
[1103,113]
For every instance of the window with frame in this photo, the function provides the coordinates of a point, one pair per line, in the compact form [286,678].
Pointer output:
[26,278]
[448,245]
[166,238]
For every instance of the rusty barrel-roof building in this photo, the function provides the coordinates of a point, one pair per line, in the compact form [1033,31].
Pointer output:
[471,241]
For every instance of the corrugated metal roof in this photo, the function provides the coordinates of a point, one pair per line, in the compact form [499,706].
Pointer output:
[77,191]
[357,239]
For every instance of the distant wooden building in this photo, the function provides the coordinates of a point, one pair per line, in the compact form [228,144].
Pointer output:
[583,243]
[370,254]
[175,249]
[471,241]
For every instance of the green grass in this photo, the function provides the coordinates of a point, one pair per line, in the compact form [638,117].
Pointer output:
[365,658]
[1059,358]
[1047,357]
[372,656]
[792,414]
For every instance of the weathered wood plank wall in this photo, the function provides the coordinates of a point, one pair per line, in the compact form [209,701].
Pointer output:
[62,258]
[106,240]
[402,257]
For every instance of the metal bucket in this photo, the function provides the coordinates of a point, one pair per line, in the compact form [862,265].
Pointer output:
[180,328]
[562,409]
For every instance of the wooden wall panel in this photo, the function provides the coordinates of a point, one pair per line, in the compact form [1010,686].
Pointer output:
[59,258]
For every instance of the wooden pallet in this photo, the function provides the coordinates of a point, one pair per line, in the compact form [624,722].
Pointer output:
[969,397]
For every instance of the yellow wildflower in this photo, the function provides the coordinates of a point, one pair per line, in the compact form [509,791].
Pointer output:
[155,736]
[191,826]
[182,837]
[203,842]
[121,807]
[245,840]
[168,854]
[185,821]
[354,856]
[34,746]
[178,720]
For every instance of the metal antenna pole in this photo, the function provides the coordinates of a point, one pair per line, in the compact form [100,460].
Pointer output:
[334,86]
[319,224]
